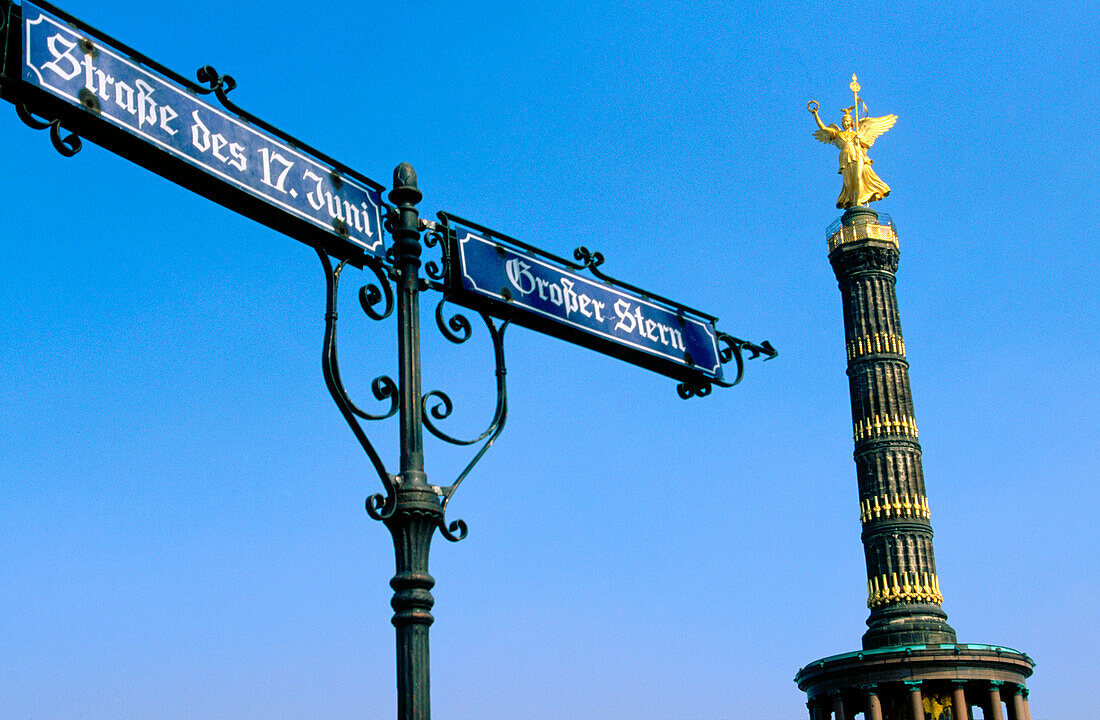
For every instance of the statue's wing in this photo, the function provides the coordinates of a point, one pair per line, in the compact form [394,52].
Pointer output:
[828,134]
[871,127]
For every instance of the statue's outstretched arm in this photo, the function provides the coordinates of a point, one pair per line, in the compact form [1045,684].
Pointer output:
[826,134]
[812,107]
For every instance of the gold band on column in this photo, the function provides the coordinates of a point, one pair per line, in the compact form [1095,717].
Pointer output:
[896,505]
[910,587]
[885,426]
[876,343]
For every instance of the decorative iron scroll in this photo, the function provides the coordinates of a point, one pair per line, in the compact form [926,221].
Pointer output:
[731,350]
[68,146]
[457,329]
[222,85]
[383,387]
[436,405]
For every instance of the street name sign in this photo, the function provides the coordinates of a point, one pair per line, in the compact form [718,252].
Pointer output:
[518,283]
[99,89]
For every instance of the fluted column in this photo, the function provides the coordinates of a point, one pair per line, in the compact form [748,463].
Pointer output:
[902,585]
[412,527]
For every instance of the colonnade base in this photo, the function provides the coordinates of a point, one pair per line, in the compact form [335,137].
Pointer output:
[920,682]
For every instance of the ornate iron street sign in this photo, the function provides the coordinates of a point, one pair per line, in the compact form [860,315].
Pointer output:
[130,106]
[517,282]
[78,82]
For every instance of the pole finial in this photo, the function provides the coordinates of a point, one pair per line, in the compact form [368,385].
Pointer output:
[404,185]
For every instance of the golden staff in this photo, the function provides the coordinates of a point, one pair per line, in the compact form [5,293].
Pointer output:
[855,92]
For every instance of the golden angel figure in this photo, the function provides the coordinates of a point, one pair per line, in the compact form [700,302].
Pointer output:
[861,184]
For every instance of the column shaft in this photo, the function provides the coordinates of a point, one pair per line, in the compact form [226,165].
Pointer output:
[995,704]
[838,708]
[1019,708]
[916,702]
[903,589]
[958,703]
[874,707]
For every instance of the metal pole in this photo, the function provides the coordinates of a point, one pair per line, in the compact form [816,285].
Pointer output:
[417,512]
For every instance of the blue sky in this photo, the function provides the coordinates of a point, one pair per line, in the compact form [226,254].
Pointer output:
[182,531]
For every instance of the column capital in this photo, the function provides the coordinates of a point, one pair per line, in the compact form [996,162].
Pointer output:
[913,684]
[1019,690]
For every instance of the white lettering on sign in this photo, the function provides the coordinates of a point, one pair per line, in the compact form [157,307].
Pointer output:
[630,318]
[319,198]
[519,274]
[63,61]
[215,143]
[135,100]
[561,294]
[64,53]
[276,159]
[539,291]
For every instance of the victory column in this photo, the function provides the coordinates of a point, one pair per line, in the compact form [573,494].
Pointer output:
[911,666]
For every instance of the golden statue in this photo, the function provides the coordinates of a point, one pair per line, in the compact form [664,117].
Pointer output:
[936,707]
[861,184]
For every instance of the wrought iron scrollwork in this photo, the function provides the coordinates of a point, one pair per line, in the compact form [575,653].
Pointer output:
[688,390]
[370,295]
[436,405]
[383,388]
[68,145]
[587,259]
[455,531]
[432,268]
[457,329]
[592,261]
[730,349]
[220,85]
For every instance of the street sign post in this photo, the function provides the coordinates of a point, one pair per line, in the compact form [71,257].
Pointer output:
[77,81]
[107,92]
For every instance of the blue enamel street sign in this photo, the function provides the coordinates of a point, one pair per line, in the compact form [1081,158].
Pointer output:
[237,163]
[536,292]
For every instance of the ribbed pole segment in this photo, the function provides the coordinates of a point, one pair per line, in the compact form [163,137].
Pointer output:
[902,586]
